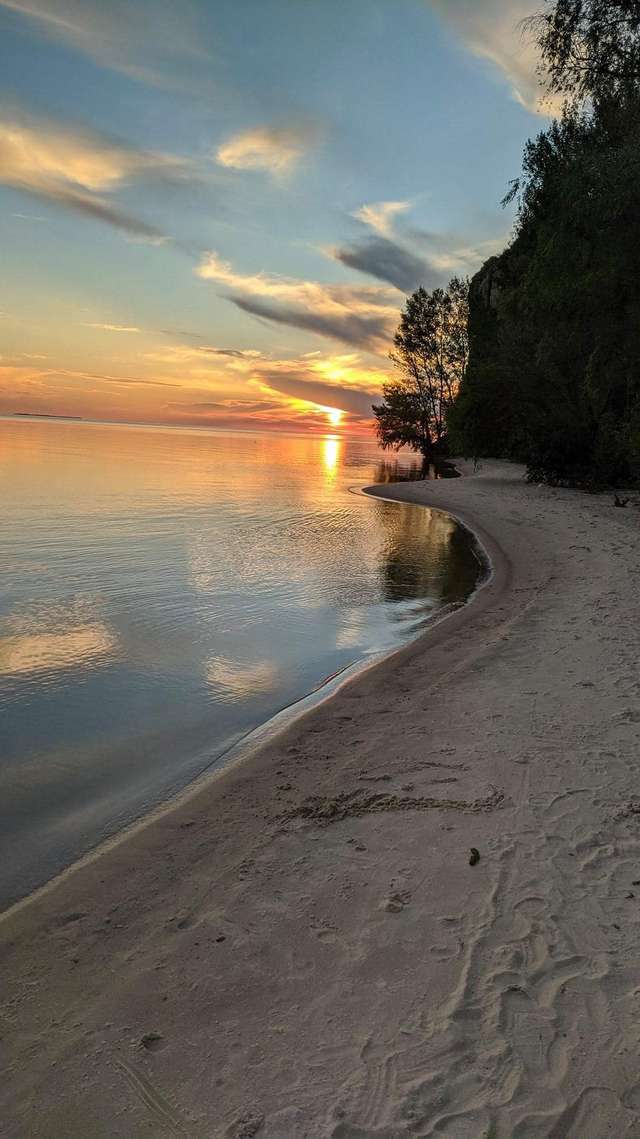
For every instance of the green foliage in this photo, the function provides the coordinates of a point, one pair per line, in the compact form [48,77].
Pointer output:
[554,325]
[589,48]
[430,354]
[481,417]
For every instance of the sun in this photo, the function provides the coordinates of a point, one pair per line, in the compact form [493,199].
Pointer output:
[334,415]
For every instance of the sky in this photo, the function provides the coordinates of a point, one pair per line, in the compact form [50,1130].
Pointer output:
[212,211]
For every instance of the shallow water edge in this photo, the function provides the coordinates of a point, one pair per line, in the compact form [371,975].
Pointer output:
[266,733]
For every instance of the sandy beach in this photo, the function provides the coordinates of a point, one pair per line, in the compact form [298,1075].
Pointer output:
[301,948]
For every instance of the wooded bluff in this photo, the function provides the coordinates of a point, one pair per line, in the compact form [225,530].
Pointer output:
[553,376]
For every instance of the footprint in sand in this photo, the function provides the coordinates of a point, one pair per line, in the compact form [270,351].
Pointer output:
[152,1042]
[631,1098]
[185,922]
[246,1127]
[397,901]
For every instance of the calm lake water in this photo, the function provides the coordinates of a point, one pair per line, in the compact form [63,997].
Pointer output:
[168,590]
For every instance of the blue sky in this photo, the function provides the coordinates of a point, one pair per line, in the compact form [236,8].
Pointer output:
[211,212]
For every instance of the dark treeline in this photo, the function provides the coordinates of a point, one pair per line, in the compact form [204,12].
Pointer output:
[553,377]
[430,353]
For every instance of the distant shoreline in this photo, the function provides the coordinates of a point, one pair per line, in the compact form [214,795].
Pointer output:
[41,415]
[205,428]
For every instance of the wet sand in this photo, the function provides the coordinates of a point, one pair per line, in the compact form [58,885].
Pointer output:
[301,948]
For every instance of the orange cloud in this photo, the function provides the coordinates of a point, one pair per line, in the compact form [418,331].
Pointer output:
[362,315]
[379,215]
[112,327]
[276,149]
[75,168]
[206,385]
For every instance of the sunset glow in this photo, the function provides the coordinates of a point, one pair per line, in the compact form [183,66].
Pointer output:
[181,246]
[334,415]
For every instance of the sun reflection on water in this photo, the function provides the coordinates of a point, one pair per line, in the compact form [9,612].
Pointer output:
[165,590]
[331,447]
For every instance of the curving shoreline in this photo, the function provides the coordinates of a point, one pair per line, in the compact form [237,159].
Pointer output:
[256,738]
[304,934]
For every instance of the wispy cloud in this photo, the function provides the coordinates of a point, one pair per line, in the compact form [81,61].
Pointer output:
[384,255]
[406,257]
[387,261]
[154,41]
[111,327]
[372,333]
[252,384]
[341,382]
[38,152]
[229,406]
[363,316]
[276,149]
[75,168]
[289,382]
[493,30]
[204,356]
[379,216]
[226,387]
[45,375]
[449,253]
[328,298]
[233,353]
